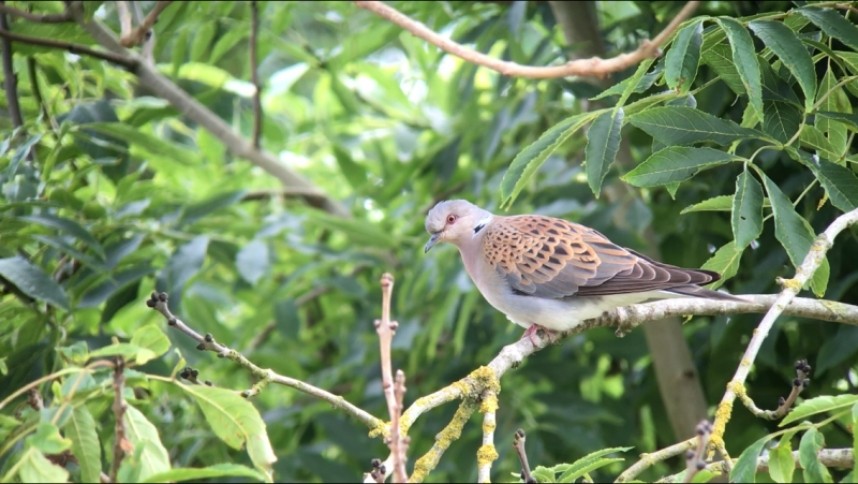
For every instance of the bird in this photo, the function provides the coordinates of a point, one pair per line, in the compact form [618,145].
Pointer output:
[551,274]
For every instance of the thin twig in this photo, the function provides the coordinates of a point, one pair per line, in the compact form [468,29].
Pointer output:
[400,473]
[137,35]
[158,302]
[123,11]
[121,444]
[695,459]
[487,453]
[518,442]
[10,78]
[117,59]
[47,18]
[791,287]
[443,439]
[386,329]
[648,460]
[799,383]
[254,74]
[593,67]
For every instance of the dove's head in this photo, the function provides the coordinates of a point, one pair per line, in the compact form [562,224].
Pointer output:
[455,221]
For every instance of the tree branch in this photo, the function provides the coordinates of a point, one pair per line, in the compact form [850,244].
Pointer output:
[137,35]
[162,87]
[123,61]
[121,445]
[48,18]
[593,67]
[254,74]
[487,453]
[814,257]
[10,79]
[158,302]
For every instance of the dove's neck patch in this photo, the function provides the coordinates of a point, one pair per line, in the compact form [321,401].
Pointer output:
[481,225]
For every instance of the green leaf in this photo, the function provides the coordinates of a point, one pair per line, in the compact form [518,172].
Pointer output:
[850,120]
[357,231]
[814,406]
[143,435]
[745,60]
[839,182]
[745,469]
[789,49]
[642,84]
[781,120]
[130,352]
[808,455]
[152,338]
[252,261]
[674,164]
[80,428]
[725,261]
[591,462]
[833,24]
[833,98]
[211,472]
[32,281]
[683,57]
[781,463]
[721,203]
[235,421]
[854,439]
[35,467]
[201,46]
[67,227]
[195,211]
[603,141]
[186,262]
[719,58]
[795,234]
[680,125]
[47,439]
[528,161]
[747,216]
[150,144]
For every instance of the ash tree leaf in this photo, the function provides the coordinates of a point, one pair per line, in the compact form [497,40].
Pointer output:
[839,182]
[720,203]
[143,435]
[675,164]
[186,262]
[833,24]
[235,421]
[781,463]
[32,281]
[252,261]
[849,119]
[591,462]
[725,261]
[528,161]
[795,234]
[80,428]
[745,60]
[808,456]
[680,125]
[745,469]
[210,472]
[47,439]
[781,120]
[603,142]
[35,467]
[683,57]
[152,338]
[789,49]
[817,405]
[747,216]
[67,226]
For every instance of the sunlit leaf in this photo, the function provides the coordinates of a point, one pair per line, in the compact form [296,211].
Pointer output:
[675,164]
[817,405]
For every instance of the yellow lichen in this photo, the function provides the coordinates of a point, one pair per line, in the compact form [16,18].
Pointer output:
[486,454]
[791,284]
[737,387]
[487,377]
[722,416]
[489,403]
[380,430]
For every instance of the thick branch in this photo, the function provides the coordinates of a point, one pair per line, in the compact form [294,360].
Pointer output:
[158,302]
[159,85]
[593,67]
[804,272]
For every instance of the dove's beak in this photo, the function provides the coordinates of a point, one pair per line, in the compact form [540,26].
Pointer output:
[432,241]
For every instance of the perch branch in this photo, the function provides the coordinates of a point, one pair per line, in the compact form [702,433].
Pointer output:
[593,67]
[137,35]
[159,85]
[791,287]
[386,329]
[487,453]
[158,302]
[443,439]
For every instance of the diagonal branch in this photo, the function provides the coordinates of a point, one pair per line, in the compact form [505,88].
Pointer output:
[593,67]
[138,34]
[791,287]
[117,59]
[161,86]
[47,18]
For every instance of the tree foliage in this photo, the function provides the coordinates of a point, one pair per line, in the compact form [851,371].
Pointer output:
[741,148]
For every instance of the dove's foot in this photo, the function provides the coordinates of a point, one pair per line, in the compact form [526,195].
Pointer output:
[531,330]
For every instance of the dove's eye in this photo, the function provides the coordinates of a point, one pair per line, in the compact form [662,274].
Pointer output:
[451,219]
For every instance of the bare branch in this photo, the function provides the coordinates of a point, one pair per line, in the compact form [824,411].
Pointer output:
[487,453]
[593,67]
[137,35]
[518,444]
[158,302]
[10,78]
[47,18]
[123,11]
[121,445]
[695,459]
[650,459]
[802,370]
[117,59]
[804,272]
[254,74]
